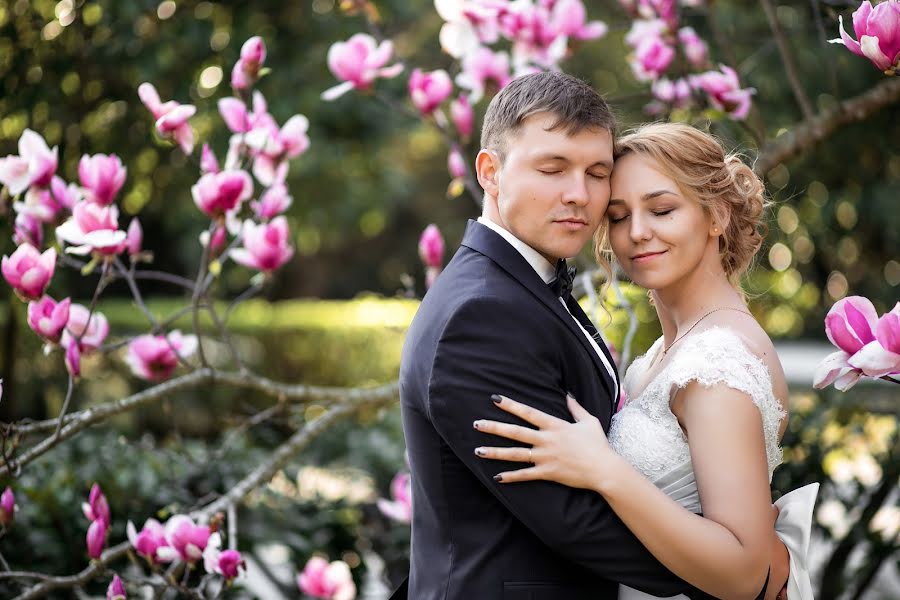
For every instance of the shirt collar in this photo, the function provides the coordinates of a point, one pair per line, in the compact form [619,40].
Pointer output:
[541,265]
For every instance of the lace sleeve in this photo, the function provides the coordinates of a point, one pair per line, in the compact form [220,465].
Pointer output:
[719,357]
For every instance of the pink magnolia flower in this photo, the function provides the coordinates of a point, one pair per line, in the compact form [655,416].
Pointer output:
[91,334]
[116,589]
[358,62]
[400,508]
[155,357]
[642,29]
[469,24]
[28,230]
[149,540]
[222,562]
[481,66]
[462,116]
[663,9]
[96,508]
[35,164]
[652,57]
[676,93]
[274,147]
[28,271]
[246,70]
[878,31]
[230,561]
[93,228]
[431,246]
[234,113]
[171,117]
[321,579]
[851,322]
[724,91]
[272,203]
[96,538]
[48,318]
[694,48]
[881,356]
[429,90]
[134,238]
[73,359]
[66,196]
[536,38]
[850,325]
[456,164]
[7,507]
[217,193]
[218,239]
[570,18]
[101,177]
[40,203]
[186,540]
[208,162]
[266,245]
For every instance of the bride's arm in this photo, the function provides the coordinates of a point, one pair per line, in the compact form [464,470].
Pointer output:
[726,552]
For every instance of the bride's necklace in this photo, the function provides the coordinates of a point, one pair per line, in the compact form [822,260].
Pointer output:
[675,341]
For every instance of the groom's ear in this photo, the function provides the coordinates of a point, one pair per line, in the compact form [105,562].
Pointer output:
[487,168]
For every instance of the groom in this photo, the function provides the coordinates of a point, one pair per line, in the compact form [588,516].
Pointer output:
[501,319]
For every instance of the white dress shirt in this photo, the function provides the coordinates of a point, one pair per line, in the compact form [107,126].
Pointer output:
[547,271]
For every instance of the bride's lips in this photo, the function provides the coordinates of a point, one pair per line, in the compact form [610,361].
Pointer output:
[572,224]
[646,256]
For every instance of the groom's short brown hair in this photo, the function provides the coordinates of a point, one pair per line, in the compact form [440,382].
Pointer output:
[576,105]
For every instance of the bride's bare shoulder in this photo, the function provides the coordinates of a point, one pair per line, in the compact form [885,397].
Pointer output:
[757,341]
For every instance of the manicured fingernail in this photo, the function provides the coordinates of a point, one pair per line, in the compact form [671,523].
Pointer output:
[497,398]
[476,424]
[498,478]
[570,394]
[480,451]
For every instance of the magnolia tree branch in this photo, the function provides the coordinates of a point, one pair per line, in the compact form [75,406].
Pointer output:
[810,132]
[259,476]
[787,57]
[296,393]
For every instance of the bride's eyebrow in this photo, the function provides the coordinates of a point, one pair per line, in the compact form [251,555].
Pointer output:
[645,197]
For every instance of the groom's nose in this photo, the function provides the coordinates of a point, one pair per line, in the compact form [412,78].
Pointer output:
[576,191]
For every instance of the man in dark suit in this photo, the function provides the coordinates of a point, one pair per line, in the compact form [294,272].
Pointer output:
[491,324]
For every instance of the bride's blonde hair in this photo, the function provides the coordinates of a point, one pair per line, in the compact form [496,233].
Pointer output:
[721,183]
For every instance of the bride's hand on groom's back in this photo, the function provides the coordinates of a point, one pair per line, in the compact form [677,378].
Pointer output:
[573,454]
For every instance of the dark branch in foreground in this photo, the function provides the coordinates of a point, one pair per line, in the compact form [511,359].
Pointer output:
[813,131]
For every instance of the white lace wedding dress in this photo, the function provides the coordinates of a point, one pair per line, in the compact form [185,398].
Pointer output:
[647,434]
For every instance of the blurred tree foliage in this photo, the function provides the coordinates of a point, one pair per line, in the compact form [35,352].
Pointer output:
[374,177]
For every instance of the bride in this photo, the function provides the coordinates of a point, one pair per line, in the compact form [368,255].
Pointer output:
[706,406]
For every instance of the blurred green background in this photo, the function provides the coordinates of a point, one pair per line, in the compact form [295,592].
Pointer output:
[372,179]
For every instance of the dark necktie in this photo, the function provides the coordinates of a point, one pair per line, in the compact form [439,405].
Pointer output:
[562,285]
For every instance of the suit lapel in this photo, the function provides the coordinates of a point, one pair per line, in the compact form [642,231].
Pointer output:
[481,239]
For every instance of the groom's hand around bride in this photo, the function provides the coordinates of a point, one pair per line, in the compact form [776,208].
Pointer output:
[573,454]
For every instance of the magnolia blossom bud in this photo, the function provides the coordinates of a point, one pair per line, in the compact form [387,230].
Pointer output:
[431,246]
[96,538]
[116,589]
[456,164]
[7,507]
[135,238]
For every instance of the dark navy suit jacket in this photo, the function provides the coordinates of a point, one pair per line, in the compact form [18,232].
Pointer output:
[491,325]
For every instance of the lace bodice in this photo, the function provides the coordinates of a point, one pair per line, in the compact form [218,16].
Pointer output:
[646,432]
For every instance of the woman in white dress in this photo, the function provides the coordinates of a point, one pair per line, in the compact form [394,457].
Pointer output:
[706,406]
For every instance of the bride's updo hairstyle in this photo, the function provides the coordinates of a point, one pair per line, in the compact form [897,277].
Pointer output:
[721,183]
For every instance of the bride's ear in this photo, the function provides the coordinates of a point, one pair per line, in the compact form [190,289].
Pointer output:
[487,169]
[719,222]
